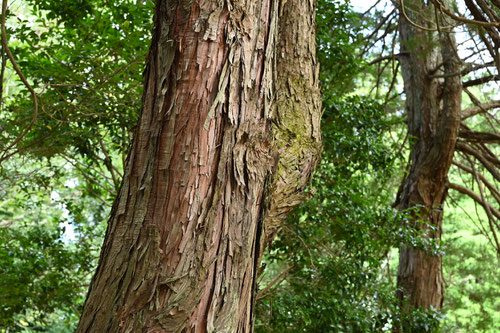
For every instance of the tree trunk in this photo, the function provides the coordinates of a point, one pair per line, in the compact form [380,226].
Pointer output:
[227,140]
[432,87]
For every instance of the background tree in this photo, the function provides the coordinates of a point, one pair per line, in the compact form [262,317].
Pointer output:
[433,118]
[473,63]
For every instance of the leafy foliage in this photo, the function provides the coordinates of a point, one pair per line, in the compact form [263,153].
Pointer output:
[337,241]
[49,235]
[333,246]
[338,38]
[84,59]
[471,272]
[38,272]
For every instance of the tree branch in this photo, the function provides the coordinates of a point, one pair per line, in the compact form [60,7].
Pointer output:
[494,191]
[475,197]
[5,48]
[264,292]
[483,137]
[466,149]
[481,80]
[461,19]
[481,108]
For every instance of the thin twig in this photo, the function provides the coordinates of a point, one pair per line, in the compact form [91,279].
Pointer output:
[263,293]
[445,10]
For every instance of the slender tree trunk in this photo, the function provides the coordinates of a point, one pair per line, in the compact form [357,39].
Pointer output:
[432,87]
[227,140]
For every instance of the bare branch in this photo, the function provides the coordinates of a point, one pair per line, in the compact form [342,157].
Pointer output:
[475,197]
[461,19]
[493,189]
[264,292]
[481,108]
[466,149]
[483,137]
[481,80]
[387,57]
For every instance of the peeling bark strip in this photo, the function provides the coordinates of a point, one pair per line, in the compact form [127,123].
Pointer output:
[227,140]
[433,107]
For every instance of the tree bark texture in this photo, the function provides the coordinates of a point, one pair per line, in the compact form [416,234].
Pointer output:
[432,85]
[227,140]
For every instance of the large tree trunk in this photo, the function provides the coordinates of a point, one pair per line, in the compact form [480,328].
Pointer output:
[226,142]
[432,87]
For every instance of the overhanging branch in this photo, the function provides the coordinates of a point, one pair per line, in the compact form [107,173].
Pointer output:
[483,137]
[473,195]
[468,150]
[481,108]
[481,80]
[493,189]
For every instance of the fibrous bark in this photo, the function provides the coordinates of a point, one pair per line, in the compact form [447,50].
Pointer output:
[227,140]
[433,109]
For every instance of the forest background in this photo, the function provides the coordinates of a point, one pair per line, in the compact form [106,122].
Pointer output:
[333,266]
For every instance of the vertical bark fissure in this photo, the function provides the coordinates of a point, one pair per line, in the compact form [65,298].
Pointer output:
[186,232]
[260,244]
[433,107]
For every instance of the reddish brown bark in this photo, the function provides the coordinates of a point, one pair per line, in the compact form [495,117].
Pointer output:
[433,97]
[226,142]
